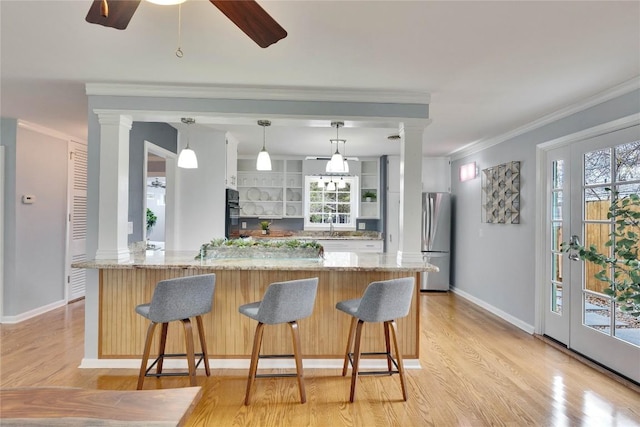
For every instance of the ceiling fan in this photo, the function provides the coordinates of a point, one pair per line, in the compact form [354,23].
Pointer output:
[246,14]
[156,183]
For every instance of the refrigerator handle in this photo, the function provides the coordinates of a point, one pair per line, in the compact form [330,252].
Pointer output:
[428,223]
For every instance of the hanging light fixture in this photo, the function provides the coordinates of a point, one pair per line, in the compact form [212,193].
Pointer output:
[187,158]
[331,186]
[263,163]
[342,183]
[338,163]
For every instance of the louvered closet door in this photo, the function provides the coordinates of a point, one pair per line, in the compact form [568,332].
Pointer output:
[78,220]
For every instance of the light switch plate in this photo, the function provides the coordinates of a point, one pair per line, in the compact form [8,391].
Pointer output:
[362,226]
[28,199]
[244,225]
[130,227]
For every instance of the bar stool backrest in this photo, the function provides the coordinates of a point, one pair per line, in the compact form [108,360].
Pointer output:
[386,300]
[288,301]
[182,298]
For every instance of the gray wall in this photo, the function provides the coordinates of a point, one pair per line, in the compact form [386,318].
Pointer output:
[160,134]
[495,262]
[35,234]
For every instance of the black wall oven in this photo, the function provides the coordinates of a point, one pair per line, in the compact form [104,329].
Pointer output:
[232,214]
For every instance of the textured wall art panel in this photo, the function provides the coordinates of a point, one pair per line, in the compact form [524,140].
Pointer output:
[501,194]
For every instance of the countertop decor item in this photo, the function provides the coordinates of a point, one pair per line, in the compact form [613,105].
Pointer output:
[260,248]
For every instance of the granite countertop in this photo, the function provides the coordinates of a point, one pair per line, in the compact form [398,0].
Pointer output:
[339,261]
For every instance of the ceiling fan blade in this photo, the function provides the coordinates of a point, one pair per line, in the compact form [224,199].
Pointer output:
[120,13]
[253,20]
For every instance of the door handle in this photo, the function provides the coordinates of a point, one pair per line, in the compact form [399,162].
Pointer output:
[573,242]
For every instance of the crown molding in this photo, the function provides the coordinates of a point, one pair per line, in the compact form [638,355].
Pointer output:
[47,131]
[272,93]
[483,144]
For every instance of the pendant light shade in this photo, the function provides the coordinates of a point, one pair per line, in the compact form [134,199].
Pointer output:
[263,163]
[337,164]
[187,158]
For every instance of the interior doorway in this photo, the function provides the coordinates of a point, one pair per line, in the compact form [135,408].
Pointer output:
[159,196]
[156,201]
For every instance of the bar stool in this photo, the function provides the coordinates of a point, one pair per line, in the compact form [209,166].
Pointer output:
[382,301]
[283,302]
[177,299]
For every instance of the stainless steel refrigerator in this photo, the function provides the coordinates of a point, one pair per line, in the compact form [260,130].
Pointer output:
[436,239]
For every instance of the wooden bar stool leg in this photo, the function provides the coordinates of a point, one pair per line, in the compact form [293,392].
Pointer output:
[388,346]
[162,346]
[356,361]
[145,356]
[203,345]
[191,359]
[297,354]
[394,332]
[352,329]
[255,353]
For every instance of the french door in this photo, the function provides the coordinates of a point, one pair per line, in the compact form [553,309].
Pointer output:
[577,311]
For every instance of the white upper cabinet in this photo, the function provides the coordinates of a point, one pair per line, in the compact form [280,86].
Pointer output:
[271,194]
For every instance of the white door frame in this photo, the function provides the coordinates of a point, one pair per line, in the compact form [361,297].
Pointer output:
[170,191]
[541,202]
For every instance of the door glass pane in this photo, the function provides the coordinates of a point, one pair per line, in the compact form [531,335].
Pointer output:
[556,205]
[596,234]
[626,189]
[597,167]
[556,236]
[628,161]
[556,297]
[558,174]
[627,327]
[597,202]
[597,313]
[556,268]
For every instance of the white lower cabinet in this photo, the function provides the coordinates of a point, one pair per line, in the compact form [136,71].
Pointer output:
[351,245]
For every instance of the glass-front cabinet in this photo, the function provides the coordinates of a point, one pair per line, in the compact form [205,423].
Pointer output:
[369,188]
[271,194]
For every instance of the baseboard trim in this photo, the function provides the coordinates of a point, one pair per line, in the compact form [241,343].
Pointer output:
[32,313]
[244,364]
[494,310]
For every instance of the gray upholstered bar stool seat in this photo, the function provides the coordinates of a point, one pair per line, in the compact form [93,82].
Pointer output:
[177,299]
[283,302]
[383,301]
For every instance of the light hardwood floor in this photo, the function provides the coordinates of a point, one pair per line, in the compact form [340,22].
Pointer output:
[477,371]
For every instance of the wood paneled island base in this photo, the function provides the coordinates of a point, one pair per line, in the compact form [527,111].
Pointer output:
[121,332]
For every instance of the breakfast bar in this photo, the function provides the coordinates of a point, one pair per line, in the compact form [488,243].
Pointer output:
[342,276]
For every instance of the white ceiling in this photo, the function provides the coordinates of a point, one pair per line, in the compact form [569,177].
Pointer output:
[490,67]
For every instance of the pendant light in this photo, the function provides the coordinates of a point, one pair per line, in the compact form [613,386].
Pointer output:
[263,163]
[187,158]
[337,164]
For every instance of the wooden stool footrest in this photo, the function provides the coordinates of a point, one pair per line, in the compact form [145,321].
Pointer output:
[172,374]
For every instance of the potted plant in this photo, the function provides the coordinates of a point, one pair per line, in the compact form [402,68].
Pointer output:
[621,270]
[151,220]
[265,226]
[369,196]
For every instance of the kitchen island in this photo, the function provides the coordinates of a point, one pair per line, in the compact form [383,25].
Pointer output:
[342,275]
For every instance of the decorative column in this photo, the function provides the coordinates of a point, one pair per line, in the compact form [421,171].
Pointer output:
[410,192]
[113,211]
